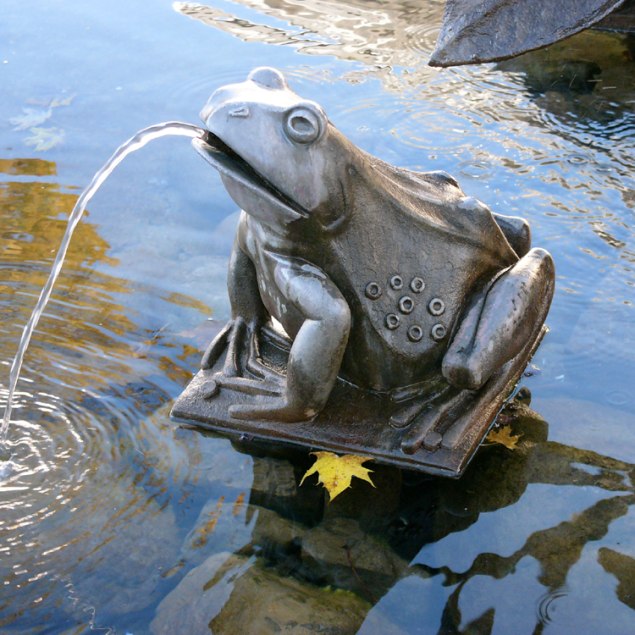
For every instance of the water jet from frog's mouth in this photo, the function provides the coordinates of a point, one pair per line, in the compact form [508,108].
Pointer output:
[140,139]
[229,163]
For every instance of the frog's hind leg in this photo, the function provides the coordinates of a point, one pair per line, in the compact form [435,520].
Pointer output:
[317,349]
[499,324]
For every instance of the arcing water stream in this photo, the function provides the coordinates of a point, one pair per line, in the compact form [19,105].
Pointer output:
[140,139]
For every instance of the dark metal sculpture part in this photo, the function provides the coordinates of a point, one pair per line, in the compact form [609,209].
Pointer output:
[475,31]
[621,20]
[407,309]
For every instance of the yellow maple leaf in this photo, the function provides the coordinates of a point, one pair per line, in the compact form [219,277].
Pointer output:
[335,472]
[503,436]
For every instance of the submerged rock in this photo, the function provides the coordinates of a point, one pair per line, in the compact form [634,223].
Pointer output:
[338,552]
[623,568]
[234,594]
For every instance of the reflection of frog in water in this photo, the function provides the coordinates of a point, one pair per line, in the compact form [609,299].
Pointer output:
[385,276]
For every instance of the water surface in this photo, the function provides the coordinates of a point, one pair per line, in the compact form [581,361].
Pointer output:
[113,519]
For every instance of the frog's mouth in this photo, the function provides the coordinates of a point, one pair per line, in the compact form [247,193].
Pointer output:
[229,163]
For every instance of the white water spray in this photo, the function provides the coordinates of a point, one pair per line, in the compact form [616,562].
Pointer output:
[139,140]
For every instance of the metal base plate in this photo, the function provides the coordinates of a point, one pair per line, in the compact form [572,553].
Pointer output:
[357,421]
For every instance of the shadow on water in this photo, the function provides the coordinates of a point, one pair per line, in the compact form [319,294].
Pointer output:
[335,568]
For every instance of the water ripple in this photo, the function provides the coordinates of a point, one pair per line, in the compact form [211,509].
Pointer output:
[547,604]
[421,37]
[86,484]
[51,452]
[92,453]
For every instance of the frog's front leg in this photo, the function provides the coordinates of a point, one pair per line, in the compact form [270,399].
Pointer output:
[324,320]
[239,339]
[499,324]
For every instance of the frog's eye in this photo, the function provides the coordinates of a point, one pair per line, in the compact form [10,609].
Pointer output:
[304,124]
[268,77]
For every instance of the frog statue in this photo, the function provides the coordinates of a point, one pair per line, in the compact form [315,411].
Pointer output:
[374,309]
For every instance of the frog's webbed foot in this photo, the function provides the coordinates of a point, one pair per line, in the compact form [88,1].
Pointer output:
[428,419]
[242,370]
[232,341]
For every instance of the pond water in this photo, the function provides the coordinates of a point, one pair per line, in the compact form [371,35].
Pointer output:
[114,519]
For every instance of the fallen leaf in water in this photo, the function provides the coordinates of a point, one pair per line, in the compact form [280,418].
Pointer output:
[30,117]
[503,436]
[45,138]
[335,472]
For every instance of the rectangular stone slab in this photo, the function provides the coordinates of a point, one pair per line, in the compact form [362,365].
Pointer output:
[356,421]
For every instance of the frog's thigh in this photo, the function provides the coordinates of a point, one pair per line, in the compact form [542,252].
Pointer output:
[497,329]
[318,347]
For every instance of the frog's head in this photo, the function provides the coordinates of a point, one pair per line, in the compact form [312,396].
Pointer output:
[277,153]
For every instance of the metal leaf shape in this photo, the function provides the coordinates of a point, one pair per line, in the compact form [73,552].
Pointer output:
[475,31]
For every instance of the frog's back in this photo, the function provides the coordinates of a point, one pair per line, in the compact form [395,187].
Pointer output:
[431,247]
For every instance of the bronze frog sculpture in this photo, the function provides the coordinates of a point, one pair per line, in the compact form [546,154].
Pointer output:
[386,279]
